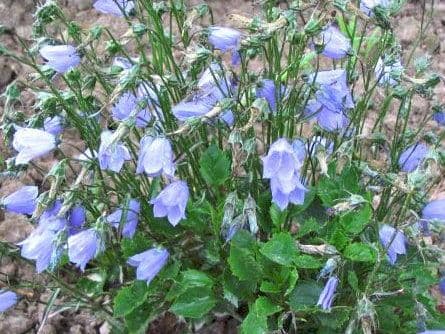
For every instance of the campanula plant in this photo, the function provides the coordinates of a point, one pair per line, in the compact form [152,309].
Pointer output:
[269,171]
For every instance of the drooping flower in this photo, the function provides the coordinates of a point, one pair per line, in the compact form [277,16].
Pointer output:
[149,263]
[282,166]
[386,73]
[367,6]
[60,58]
[114,7]
[335,44]
[31,144]
[412,157]
[327,295]
[226,39]
[7,299]
[131,218]
[83,247]
[40,246]
[268,90]
[171,202]
[53,125]
[125,106]
[22,201]
[49,220]
[111,155]
[439,117]
[332,100]
[442,286]
[155,157]
[434,210]
[76,219]
[394,241]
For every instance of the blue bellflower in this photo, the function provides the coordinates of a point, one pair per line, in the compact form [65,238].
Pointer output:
[32,144]
[397,246]
[268,90]
[7,299]
[22,201]
[111,155]
[412,157]
[83,247]
[149,263]
[114,7]
[335,44]
[171,202]
[442,286]
[439,117]
[53,125]
[155,157]
[125,106]
[282,166]
[50,220]
[434,210]
[60,58]
[385,73]
[76,219]
[327,295]
[132,218]
[226,40]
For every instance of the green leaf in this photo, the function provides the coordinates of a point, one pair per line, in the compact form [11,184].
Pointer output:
[269,287]
[265,307]
[305,295]
[335,319]
[254,324]
[137,321]
[129,298]
[293,278]
[353,281]
[307,262]
[277,216]
[243,264]
[135,245]
[190,279]
[194,303]
[360,252]
[280,249]
[308,226]
[215,166]
[354,222]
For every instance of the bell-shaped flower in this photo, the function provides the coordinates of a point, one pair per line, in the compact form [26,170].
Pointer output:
[22,201]
[76,219]
[114,7]
[442,286]
[32,144]
[127,103]
[40,246]
[49,220]
[285,193]
[60,58]
[131,215]
[226,39]
[434,210]
[268,90]
[155,157]
[412,157]
[7,299]
[327,295]
[335,44]
[53,125]
[171,202]
[439,117]
[387,74]
[83,247]
[393,241]
[149,263]
[111,155]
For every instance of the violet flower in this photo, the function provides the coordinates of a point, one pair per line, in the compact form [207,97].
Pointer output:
[385,73]
[40,246]
[76,219]
[327,295]
[131,219]
[60,58]
[226,39]
[394,241]
[439,117]
[83,247]
[53,125]
[155,157]
[268,90]
[412,157]
[49,220]
[171,202]
[114,7]
[335,44]
[149,263]
[124,107]
[22,201]
[111,155]
[434,210]
[442,286]
[32,144]
[282,166]
[7,299]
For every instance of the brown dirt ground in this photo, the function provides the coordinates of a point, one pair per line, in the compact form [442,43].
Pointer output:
[26,317]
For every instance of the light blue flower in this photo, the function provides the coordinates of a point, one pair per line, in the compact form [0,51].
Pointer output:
[387,74]
[83,247]
[412,157]
[394,241]
[53,125]
[7,299]
[32,144]
[171,202]
[132,218]
[125,106]
[226,39]
[335,44]
[60,58]
[327,295]
[40,246]
[111,155]
[149,263]
[22,201]
[155,157]
[114,7]
[434,210]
